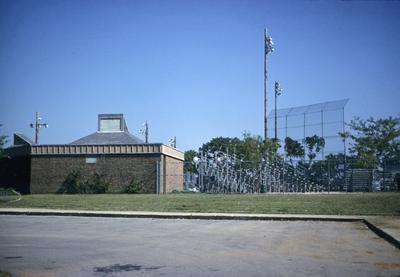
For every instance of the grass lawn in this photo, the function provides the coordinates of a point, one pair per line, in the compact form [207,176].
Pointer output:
[328,204]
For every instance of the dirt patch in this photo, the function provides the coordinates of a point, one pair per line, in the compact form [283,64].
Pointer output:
[116,268]
[36,275]
[387,265]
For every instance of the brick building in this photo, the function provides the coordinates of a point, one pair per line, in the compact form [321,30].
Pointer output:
[111,152]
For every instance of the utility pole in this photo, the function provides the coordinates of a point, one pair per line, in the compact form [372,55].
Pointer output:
[268,48]
[172,142]
[37,125]
[145,131]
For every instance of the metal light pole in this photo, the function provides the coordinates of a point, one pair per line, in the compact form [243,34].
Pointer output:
[268,48]
[37,125]
[145,131]
[278,92]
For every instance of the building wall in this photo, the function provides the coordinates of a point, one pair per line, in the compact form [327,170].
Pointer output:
[173,174]
[48,172]
[15,173]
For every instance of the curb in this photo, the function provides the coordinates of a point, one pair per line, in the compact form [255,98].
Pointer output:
[378,231]
[204,216]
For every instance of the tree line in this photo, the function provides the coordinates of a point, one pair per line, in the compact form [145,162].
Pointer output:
[369,142]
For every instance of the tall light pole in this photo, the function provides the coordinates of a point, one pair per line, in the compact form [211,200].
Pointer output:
[278,92]
[145,131]
[37,125]
[268,48]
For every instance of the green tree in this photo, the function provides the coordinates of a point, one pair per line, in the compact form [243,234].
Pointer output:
[3,141]
[250,148]
[189,166]
[254,148]
[189,155]
[270,148]
[374,141]
[314,145]
[224,144]
[293,149]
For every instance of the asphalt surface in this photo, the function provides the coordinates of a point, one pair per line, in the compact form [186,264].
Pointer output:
[88,246]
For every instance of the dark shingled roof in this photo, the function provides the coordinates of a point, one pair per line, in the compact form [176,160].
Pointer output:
[20,139]
[108,138]
[109,134]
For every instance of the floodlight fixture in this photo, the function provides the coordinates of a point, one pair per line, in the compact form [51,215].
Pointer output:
[269,43]
[278,89]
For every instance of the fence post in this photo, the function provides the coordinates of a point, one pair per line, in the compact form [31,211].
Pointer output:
[329,177]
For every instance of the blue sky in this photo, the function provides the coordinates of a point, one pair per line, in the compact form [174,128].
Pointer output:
[193,69]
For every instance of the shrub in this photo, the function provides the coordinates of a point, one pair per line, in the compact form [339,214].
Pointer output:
[75,183]
[97,184]
[135,186]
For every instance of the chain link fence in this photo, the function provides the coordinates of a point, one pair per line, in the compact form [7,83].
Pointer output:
[230,175]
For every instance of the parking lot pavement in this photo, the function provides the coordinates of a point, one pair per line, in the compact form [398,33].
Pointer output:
[86,246]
